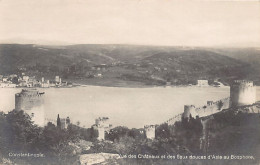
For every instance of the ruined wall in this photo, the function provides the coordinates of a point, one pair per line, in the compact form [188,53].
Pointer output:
[242,92]
[150,131]
[31,101]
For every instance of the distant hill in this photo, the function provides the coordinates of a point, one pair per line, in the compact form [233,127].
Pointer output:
[122,65]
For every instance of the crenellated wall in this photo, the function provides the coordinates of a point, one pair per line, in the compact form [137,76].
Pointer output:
[103,121]
[209,109]
[212,107]
[174,119]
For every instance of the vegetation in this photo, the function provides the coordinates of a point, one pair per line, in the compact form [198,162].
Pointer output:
[18,134]
[228,132]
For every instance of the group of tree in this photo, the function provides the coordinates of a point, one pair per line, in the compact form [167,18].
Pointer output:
[229,132]
[18,134]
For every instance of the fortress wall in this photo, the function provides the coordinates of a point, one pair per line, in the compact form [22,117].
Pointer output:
[174,119]
[102,121]
[209,109]
[212,107]
[255,109]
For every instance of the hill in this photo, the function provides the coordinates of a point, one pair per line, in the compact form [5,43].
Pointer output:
[123,65]
[234,131]
[251,56]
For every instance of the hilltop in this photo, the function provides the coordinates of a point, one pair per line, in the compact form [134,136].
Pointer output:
[125,65]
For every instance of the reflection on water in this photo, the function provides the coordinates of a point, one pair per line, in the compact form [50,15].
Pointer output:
[132,107]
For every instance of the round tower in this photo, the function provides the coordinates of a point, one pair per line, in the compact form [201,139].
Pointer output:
[101,132]
[188,110]
[31,101]
[242,92]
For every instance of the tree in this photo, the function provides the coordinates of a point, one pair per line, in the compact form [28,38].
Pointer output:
[58,143]
[220,105]
[58,121]
[163,131]
[117,132]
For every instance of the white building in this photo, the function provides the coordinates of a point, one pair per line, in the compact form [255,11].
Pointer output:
[203,83]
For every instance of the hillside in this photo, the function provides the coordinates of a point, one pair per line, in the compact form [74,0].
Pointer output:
[250,56]
[123,65]
[235,131]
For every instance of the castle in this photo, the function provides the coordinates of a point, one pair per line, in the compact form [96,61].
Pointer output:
[31,101]
[242,92]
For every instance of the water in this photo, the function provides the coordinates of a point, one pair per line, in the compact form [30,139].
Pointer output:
[131,107]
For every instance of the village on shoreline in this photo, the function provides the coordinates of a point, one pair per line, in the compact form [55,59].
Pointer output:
[25,81]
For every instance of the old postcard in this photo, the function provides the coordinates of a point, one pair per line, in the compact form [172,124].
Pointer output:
[129,82]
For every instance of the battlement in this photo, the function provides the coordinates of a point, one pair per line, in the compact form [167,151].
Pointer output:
[189,106]
[29,93]
[102,122]
[102,119]
[243,83]
[149,127]
[212,107]
[209,103]
[174,119]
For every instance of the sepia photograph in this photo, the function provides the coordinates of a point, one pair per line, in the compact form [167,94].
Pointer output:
[129,82]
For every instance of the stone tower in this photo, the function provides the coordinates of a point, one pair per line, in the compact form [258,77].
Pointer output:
[242,92]
[150,131]
[101,132]
[31,101]
[189,110]
[102,125]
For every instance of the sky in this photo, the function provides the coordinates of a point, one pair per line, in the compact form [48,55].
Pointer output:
[142,22]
